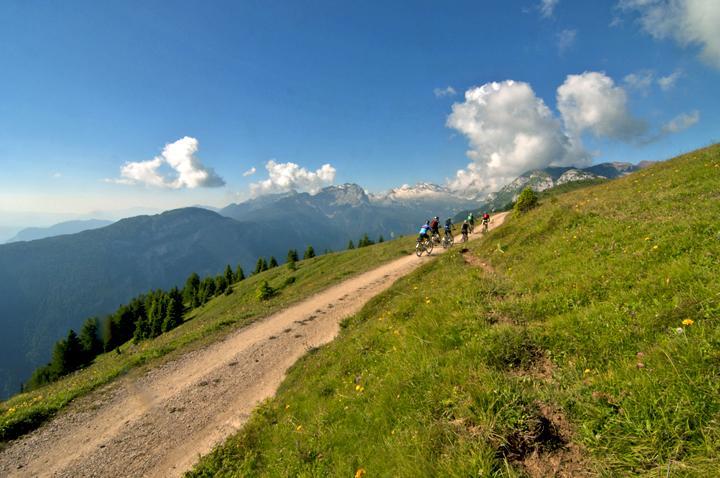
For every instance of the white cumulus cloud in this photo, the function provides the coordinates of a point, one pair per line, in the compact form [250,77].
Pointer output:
[591,102]
[547,7]
[510,130]
[447,91]
[688,22]
[681,122]
[250,171]
[640,80]
[668,82]
[290,176]
[176,167]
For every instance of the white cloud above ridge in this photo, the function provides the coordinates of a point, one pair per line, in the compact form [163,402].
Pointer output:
[283,177]
[442,92]
[681,122]
[249,172]
[592,102]
[180,157]
[510,130]
[687,22]
[547,7]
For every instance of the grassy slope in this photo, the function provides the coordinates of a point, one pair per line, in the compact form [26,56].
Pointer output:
[218,317]
[575,350]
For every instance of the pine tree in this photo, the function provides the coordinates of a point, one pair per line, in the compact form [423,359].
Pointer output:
[220,285]
[174,314]
[259,265]
[229,276]
[309,253]
[273,263]
[67,355]
[381,239]
[90,339]
[365,241]
[351,245]
[239,274]
[292,255]
[190,291]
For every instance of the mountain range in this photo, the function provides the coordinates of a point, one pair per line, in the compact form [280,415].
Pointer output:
[542,179]
[52,284]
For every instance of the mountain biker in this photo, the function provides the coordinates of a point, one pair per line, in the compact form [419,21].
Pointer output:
[465,228]
[485,221]
[448,227]
[424,231]
[471,219]
[435,225]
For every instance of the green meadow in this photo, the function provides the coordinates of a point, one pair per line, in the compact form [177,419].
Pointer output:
[579,339]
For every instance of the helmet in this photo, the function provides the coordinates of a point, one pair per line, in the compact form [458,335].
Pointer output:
[465,221]
[437,218]
[427,223]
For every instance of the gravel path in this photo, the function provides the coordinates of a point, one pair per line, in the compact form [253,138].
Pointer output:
[159,424]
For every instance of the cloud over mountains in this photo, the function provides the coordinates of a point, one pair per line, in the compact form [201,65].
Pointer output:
[284,177]
[176,167]
[510,130]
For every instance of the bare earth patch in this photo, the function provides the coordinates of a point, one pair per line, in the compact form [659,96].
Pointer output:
[565,461]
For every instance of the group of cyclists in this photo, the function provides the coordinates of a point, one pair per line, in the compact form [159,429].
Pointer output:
[433,227]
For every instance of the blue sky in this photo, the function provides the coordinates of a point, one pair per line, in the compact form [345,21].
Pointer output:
[88,87]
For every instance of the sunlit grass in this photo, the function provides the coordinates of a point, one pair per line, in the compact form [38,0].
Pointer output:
[614,289]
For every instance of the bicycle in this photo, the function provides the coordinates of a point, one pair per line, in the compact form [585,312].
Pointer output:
[447,241]
[464,237]
[485,226]
[423,245]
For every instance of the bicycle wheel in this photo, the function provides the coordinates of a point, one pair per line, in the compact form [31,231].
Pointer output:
[428,246]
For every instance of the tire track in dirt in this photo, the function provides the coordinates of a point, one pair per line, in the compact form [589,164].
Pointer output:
[159,424]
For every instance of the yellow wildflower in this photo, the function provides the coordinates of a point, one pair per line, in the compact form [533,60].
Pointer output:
[586,371]
[287,406]
[647,238]
[655,247]
[688,322]
[427,301]
[360,473]
[298,428]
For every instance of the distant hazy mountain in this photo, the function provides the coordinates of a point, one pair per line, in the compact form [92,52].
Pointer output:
[6,232]
[50,285]
[68,227]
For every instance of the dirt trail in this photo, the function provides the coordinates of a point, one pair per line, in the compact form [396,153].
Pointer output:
[158,425]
